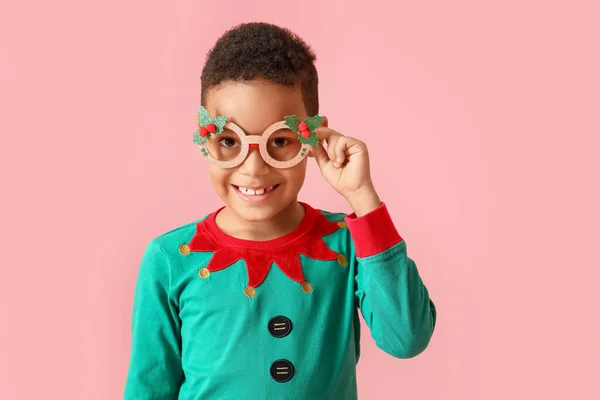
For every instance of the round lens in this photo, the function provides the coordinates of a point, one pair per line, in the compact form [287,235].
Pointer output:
[225,146]
[283,145]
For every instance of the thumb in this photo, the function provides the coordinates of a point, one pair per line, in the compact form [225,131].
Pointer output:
[320,155]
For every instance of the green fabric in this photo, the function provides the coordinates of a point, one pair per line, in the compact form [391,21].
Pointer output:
[199,338]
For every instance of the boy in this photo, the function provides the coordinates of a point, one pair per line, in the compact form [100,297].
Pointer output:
[260,299]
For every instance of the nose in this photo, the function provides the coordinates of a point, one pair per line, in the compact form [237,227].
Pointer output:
[254,165]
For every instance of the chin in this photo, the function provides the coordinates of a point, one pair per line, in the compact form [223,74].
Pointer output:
[254,214]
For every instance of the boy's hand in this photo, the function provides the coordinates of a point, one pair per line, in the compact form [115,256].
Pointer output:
[345,165]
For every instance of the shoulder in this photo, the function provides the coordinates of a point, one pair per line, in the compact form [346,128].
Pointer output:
[333,216]
[340,219]
[170,243]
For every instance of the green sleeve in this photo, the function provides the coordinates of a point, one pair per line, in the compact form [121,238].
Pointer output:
[155,370]
[389,291]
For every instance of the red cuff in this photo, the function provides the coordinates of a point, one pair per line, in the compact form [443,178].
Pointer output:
[372,233]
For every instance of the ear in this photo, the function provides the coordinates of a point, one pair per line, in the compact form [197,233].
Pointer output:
[325,122]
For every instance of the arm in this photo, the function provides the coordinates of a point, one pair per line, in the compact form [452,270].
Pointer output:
[392,298]
[155,370]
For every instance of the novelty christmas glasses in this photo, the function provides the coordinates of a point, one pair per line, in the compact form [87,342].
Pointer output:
[283,145]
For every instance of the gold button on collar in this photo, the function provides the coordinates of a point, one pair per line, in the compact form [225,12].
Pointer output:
[307,287]
[184,249]
[342,224]
[249,291]
[204,273]
[341,259]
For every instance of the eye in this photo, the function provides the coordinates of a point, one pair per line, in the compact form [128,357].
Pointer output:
[228,142]
[280,142]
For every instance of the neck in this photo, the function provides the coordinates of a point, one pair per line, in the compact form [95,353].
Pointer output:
[286,221]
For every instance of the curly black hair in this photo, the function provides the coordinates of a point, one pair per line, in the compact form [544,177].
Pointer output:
[260,50]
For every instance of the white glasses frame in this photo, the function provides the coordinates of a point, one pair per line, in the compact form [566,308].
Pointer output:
[259,141]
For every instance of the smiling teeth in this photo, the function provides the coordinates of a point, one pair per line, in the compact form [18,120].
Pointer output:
[251,192]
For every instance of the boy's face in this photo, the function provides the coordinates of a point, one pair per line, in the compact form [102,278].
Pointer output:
[254,106]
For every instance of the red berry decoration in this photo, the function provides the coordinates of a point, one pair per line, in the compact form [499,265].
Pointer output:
[211,128]
[302,126]
[203,131]
[305,134]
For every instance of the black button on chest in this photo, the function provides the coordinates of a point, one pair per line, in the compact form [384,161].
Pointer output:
[282,370]
[280,326]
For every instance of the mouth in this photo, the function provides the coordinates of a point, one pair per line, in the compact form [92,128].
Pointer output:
[255,192]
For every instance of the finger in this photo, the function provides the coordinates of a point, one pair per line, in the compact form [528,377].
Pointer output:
[331,146]
[340,150]
[320,155]
[332,138]
[324,134]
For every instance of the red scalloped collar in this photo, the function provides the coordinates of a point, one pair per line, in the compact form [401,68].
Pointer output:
[284,251]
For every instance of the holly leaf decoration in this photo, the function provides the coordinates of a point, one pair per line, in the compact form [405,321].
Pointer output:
[312,140]
[199,139]
[219,123]
[292,122]
[204,117]
[314,122]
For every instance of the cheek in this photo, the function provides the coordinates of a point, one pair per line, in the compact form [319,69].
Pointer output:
[295,175]
[219,177]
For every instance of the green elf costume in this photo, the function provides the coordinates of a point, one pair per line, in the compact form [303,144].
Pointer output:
[217,317]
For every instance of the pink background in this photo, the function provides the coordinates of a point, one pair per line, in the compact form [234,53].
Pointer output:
[488,160]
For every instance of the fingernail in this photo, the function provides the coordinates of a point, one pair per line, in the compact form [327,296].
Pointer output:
[336,164]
